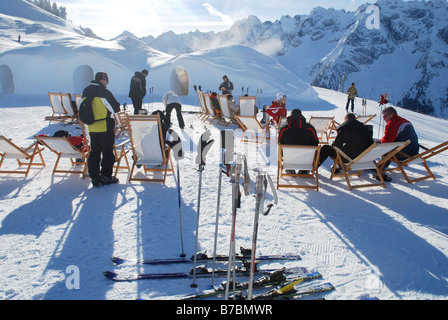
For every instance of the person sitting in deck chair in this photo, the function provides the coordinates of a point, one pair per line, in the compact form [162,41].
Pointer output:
[297,132]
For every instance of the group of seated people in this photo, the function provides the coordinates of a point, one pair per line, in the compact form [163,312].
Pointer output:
[353,137]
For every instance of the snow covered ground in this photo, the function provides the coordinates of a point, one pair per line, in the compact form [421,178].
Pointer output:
[387,243]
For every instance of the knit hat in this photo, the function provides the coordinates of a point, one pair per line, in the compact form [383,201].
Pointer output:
[101,76]
[296,114]
[281,96]
[144,71]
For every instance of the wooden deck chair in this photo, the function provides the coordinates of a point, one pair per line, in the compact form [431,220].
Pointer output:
[253,131]
[121,123]
[248,105]
[418,159]
[63,148]
[374,157]
[213,114]
[72,114]
[366,118]
[323,126]
[120,151]
[225,109]
[59,112]
[78,100]
[24,156]
[300,158]
[148,148]
[205,112]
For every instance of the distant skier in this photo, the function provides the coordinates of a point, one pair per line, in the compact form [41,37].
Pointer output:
[137,90]
[352,93]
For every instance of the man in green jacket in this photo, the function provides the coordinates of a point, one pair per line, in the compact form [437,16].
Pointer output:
[352,93]
[102,136]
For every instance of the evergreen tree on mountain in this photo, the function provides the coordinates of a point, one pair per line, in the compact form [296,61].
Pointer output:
[51,8]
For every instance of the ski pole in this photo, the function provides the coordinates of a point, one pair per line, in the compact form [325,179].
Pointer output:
[236,198]
[180,211]
[226,158]
[204,146]
[260,193]
[174,142]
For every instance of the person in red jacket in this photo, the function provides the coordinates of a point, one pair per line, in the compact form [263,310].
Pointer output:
[399,129]
[278,108]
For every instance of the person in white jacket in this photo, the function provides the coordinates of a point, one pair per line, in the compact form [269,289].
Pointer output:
[172,101]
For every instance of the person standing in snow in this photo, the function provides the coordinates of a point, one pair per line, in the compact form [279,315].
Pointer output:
[352,93]
[226,87]
[102,135]
[137,89]
[172,101]
[278,108]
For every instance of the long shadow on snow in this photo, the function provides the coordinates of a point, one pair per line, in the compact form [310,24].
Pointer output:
[400,254]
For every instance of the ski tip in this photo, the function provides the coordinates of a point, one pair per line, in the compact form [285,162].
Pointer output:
[117,260]
[109,274]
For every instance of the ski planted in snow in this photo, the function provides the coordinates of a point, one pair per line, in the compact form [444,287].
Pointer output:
[201,271]
[203,257]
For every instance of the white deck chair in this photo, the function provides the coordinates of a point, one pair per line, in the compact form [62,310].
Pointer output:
[120,151]
[300,158]
[59,112]
[208,105]
[253,131]
[248,106]
[9,150]
[67,103]
[63,148]
[148,148]
[205,112]
[374,157]
[323,126]
[225,109]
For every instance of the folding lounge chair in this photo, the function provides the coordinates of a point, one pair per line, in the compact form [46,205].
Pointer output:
[225,109]
[63,148]
[120,150]
[205,112]
[148,148]
[121,123]
[213,114]
[418,159]
[9,150]
[253,131]
[374,157]
[67,103]
[248,105]
[323,126]
[300,158]
[59,112]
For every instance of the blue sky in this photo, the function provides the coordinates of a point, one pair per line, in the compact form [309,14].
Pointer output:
[109,18]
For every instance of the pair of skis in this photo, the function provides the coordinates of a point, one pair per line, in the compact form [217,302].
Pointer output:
[288,287]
